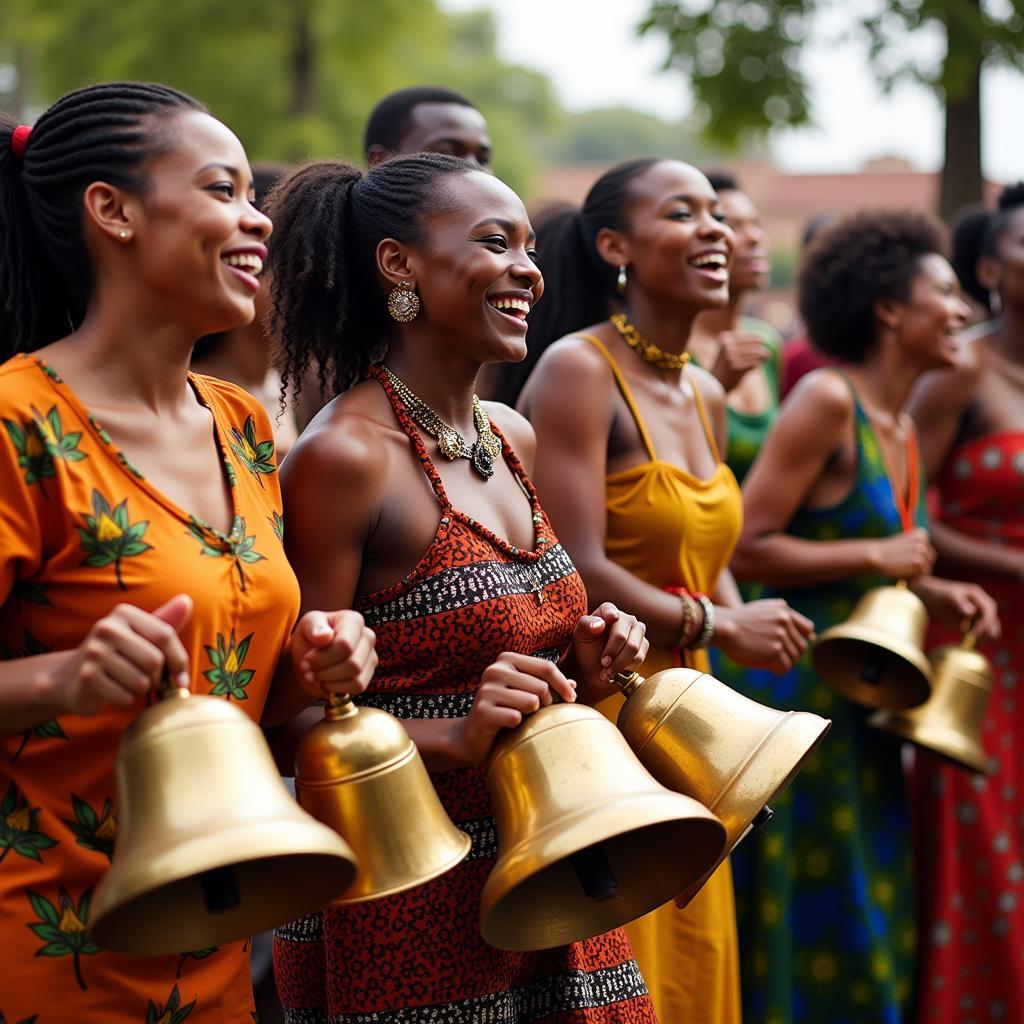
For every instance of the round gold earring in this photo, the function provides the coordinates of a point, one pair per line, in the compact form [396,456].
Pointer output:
[403,303]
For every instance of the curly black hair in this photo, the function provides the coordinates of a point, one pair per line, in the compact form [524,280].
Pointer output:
[977,233]
[852,264]
[328,311]
[104,132]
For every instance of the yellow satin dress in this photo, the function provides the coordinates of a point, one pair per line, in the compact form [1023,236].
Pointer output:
[671,528]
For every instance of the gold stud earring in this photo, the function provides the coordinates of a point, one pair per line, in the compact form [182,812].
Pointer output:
[403,303]
[122,234]
[620,282]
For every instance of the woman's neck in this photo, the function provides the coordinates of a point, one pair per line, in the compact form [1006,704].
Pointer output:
[121,354]
[664,325]
[1009,334]
[443,381]
[885,380]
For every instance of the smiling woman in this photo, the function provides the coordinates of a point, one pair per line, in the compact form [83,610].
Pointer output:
[136,540]
[415,275]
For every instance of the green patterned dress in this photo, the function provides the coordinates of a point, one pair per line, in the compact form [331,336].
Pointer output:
[824,894]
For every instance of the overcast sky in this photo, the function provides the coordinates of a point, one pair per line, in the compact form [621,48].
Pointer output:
[589,50]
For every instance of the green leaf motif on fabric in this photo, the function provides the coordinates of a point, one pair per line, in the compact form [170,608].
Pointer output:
[19,827]
[109,536]
[171,1012]
[238,545]
[95,831]
[39,442]
[257,456]
[62,928]
[277,525]
[228,674]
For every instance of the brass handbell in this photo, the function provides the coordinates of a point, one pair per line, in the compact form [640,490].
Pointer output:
[210,845]
[876,656]
[950,721]
[358,771]
[699,737]
[587,839]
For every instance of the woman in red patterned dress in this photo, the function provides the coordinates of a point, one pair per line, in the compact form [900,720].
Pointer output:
[477,625]
[971,830]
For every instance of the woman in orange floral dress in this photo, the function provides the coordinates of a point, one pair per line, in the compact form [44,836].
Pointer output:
[127,222]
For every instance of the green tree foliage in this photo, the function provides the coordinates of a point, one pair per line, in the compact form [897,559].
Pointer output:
[743,60]
[611,134]
[293,80]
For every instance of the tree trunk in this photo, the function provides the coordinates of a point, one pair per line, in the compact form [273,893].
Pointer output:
[302,61]
[961,182]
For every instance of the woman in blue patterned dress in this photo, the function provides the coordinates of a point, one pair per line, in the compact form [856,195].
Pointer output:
[834,507]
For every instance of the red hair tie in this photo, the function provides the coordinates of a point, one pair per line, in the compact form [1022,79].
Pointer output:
[19,140]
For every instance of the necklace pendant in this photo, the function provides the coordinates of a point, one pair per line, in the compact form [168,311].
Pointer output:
[482,461]
[491,443]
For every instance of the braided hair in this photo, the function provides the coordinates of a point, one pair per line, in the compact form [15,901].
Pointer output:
[978,233]
[103,132]
[580,286]
[327,304]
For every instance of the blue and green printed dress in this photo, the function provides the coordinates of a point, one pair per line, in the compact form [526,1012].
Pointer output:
[823,892]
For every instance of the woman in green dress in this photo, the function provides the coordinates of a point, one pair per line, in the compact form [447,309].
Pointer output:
[834,506]
[744,353]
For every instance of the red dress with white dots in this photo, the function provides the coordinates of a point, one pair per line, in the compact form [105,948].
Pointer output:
[971,829]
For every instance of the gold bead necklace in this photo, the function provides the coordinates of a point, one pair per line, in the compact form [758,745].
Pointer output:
[647,350]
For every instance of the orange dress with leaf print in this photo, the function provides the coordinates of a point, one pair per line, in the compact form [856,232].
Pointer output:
[81,530]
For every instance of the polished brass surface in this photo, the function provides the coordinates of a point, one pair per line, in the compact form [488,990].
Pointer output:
[360,773]
[210,845]
[587,839]
[950,722]
[875,657]
[699,737]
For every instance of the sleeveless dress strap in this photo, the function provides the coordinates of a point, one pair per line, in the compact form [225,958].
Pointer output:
[627,395]
[407,424]
[703,414]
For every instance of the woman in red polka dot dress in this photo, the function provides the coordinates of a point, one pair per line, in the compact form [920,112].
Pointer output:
[971,828]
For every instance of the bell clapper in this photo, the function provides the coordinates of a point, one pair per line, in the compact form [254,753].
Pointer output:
[874,667]
[595,873]
[220,889]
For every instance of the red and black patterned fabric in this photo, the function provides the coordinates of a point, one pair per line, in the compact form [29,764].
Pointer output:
[418,957]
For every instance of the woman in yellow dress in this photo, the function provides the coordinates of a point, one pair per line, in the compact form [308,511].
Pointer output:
[628,464]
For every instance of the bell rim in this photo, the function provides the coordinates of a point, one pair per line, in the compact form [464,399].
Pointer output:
[946,743]
[913,656]
[133,883]
[654,804]
[463,852]
[792,731]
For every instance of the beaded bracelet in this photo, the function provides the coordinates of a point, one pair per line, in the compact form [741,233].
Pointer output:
[708,629]
[689,628]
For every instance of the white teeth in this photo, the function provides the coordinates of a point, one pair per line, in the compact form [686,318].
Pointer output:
[245,261]
[507,302]
[709,259]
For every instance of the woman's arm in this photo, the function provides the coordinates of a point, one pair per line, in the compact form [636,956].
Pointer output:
[966,556]
[813,424]
[569,401]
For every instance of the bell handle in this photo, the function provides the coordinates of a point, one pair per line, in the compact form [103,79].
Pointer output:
[968,638]
[168,690]
[338,706]
[629,682]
